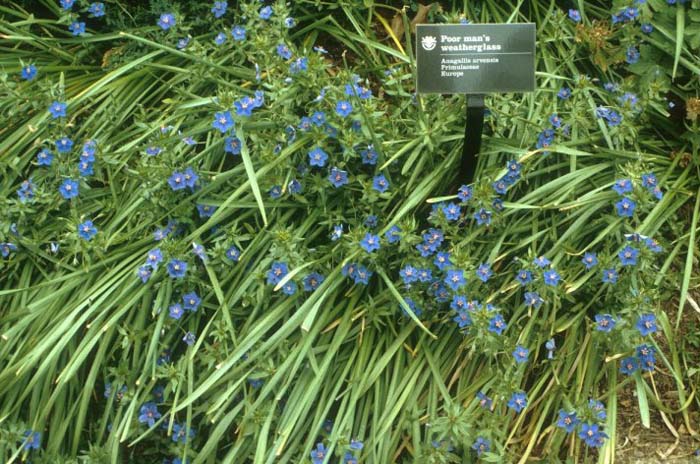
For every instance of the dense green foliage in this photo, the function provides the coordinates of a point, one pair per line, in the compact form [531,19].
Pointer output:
[297,330]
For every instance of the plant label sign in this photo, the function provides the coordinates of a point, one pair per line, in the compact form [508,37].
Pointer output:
[475,58]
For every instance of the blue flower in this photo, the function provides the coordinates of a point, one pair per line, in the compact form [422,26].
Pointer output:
[189,338]
[220,38]
[26,191]
[166,21]
[232,145]
[484,401]
[497,324]
[190,177]
[28,72]
[64,145]
[361,275]
[223,121]
[77,28]
[153,151]
[182,43]
[144,273]
[85,168]
[97,9]
[629,365]
[520,354]
[318,119]
[622,186]
[233,253]
[555,121]
[276,191]
[32,440]
[605,322]
[465,193]
[455,279]
[338,177]
[312,281]
[277,272]
[319,454]
[483,217]
[44,157]
[524,277]
[653,246]
[647,358]
[567,420]
[343,108]
[238,33]
[408,274]
[625,207]
[442,260]
[632,55]
[517,402]
[289,23]
[67,4]
[284,52]
[369,156]
[177,181]
[646,324]
[614,119]
[497,204]
[484,272]
[244,106]
[148,414]
[589,260]
[68,189]
[647,28]
[481,445]
[205,211]
[337,232]
[380,183]
[370,243]
[628,256]
[181,433]
[318,157]
[533,299]
[177,268]
[87,230]
[299,65]
[294,187]
[219,9]
[551,277]
[393,235]
[58,110]
[452,211]
[592,435]
[289,288]
[574,15]
[628,99]
[545,138]
[265,12]
[155,257]
[191,301]
[564,93]
[610,276]
[463,319]
[459,302]
[176,311]
[598,408]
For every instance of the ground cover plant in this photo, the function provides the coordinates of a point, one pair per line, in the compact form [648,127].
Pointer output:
[232,232]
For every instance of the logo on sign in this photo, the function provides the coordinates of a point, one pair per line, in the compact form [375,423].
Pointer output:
[428,42]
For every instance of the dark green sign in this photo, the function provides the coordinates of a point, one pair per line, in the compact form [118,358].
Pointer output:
[475,58]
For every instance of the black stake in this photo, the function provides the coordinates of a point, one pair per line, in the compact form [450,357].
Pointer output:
[472,138]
